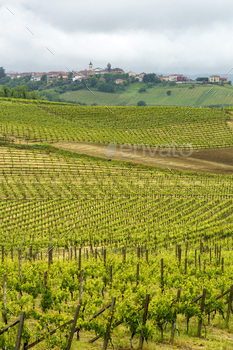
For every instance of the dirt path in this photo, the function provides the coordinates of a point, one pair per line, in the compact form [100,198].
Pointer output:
[217,161]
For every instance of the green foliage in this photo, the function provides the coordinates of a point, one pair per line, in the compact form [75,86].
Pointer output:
[142,89]
[151,78]
[204,79]
[105,87]
[49,95]
[18,92]
[2,73]
[141,103]
[46,299]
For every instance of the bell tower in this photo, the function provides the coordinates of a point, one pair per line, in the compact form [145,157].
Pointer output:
[90,66]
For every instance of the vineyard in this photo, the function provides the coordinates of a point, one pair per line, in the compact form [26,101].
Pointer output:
[154,126]
[112,255]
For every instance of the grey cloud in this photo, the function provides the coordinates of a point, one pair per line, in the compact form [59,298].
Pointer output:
[152,36]
[107,16]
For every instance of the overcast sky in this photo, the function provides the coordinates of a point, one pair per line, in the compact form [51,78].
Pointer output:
[162,36]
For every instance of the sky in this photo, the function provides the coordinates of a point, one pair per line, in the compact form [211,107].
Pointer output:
[161,36]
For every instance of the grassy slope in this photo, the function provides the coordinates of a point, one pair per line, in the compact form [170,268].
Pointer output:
[181,95]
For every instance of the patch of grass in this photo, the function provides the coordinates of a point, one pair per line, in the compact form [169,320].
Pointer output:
[181,95]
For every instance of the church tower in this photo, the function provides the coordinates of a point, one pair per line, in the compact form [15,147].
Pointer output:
[90,66]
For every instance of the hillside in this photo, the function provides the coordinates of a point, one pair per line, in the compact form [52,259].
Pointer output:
[154,126]
[181,95]
[80,233]
[124,218]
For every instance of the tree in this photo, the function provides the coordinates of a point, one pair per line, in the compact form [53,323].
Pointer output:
[202,79]
[142,89]
[5,80]
[151,78]
[2,72]
[44,78]
[27,78]
[105,87]
[109,67]
[70,76]
[172,83]
[169,92]
[133,80]
[5,91]
[141,103]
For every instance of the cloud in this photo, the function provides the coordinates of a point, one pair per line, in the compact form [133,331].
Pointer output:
[162,36]
[110,16]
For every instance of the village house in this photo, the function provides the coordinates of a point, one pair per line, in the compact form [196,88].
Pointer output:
[175,77]
[24,75]
[164,78]
[11,75]
[223,80]
[214,78]
[117,70]
[119,81]
[77,76]
[36,76]
[132,74]
[18,75]
[140,77]
[86,72]
[98,70]
[54,75]
[92,71]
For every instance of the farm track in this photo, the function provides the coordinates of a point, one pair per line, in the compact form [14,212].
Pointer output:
[216,161]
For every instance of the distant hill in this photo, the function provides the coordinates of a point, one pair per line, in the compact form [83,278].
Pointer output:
[181,95]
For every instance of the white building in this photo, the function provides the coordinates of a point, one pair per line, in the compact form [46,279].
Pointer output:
[174,77]
[132,74]
[214,78]
[77,77]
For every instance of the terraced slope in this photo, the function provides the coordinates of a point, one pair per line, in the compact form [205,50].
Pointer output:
[45,192]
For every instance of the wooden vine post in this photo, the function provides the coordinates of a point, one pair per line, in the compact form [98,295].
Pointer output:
[110,319]
[162,282]
[3,253]
[202,310]
[104,257]
[110,276]
[175,316]
[147,256]
[73,328]
[144,319]
[229,304]
[137,277]
[4,298]
[20,272]
[30,252]
[75,252]
[20,330]
[79,258]
[50,254]
[124,255]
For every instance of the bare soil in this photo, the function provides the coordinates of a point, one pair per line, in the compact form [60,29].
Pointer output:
[216,161]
